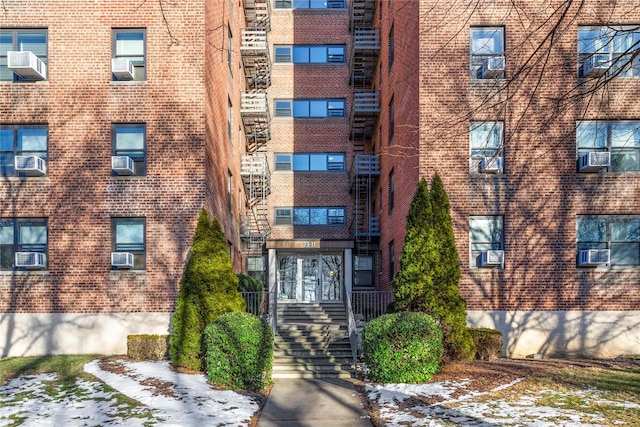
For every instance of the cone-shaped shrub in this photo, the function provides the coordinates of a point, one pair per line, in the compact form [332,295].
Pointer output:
[430,269]
[208,289]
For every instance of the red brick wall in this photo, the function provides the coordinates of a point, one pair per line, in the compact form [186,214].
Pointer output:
[540,193]
[400,154]
[79,197]
[310,135]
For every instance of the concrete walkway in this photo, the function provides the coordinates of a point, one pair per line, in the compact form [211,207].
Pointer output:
[313,402]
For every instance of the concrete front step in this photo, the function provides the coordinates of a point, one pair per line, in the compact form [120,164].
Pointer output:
[311,341]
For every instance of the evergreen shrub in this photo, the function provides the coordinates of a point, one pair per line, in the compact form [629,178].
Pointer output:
[208,289]
[488,343]
[403,347]
[239,352]
[147,347]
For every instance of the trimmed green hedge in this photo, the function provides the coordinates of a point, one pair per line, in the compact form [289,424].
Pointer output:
[148,347]
[239,351]
[402,347]
[488,343]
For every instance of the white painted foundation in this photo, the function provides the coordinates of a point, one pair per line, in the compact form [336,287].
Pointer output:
[35,334]
[563,333]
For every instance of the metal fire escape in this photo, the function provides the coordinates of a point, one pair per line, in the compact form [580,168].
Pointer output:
[365,111]
[365,170]
[254,111]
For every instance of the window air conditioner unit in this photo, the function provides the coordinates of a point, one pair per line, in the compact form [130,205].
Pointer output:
[30,165]
[35,260]
[594,161]
[490,164]
[491,258]
[596,65]
[493,67]
[593,257]
[122,68]
[27,65]
[122,259]
[122,165]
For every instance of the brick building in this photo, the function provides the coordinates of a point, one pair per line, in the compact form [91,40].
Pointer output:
[304,127]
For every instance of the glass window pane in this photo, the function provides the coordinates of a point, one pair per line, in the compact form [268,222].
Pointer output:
[486,136]
[363,263]
[6,43]
[29,233]
[335,54]
[300,108]
[300,4]
[129,138]
[6,164]
[625,253]
[486,41]
[6,139]
[625,229]
[317,108]
[592,40]
[300,54]
[317,4]
[283,54]
[625,135]
[6,233]
[300,162]
[32,139]
[318,216]
[592,230]
[318,54]
[130,44]
[625,160]
[485,230]
[591,135]
[129,232]
[301,216]
[336,108]
[34,42]
[318,162]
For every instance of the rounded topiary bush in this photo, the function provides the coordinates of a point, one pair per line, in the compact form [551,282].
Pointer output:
[239,351]
[402,347]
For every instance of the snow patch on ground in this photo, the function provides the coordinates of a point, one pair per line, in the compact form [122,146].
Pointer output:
[395,409]
[190,401]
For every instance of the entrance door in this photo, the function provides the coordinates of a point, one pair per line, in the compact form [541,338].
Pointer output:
[305,277]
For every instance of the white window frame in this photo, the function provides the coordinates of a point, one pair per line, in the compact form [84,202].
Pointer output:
[618,43]
[494,237]
[488,145]
[610,136]
[485,43]
[604,236]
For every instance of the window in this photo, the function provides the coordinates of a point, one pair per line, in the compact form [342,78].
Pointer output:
[23,235]
[391,47]
[487,53]
[609,49]
[230,121]
[618,233]
[24,141]
[620,138]
[34,41]
[310,216]
[313,108]
[310,4]
[310,162]
[362,270]
[230,51]
[485,233]
[255,267]
[128,235]
[392,121]
[129,139]
[391,190]
[130,45]
[229,189]
[392,259]
[485,144]
[313,54]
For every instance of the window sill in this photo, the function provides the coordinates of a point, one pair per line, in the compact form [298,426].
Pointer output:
[24,272]
[608,269]
[117,273]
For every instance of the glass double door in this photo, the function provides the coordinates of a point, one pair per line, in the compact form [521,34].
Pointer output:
[316,277]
